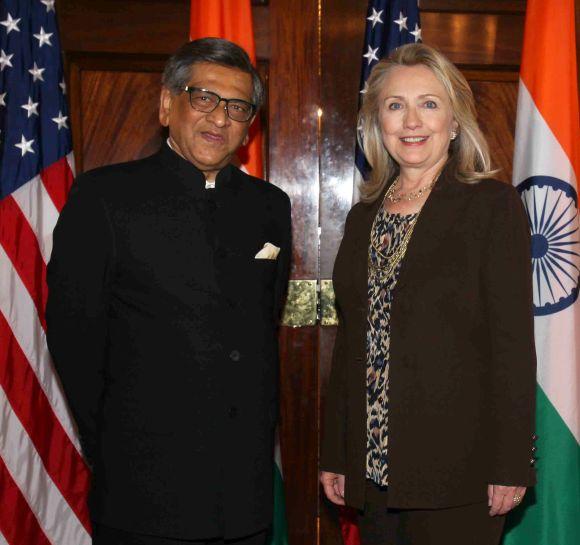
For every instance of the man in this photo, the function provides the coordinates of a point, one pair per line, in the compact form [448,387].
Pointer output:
[165,287]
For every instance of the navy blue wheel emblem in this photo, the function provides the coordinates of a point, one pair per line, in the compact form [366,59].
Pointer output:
[552,208]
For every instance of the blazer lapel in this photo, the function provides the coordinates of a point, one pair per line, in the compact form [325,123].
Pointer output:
[437,217]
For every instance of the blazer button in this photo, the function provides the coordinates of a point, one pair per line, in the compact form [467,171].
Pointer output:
[534,437]
[232,412]
[235,355]
[532,461]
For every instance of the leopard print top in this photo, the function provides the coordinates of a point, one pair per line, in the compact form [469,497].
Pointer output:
[387,233]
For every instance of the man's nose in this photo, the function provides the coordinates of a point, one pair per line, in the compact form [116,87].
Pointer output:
[219,116]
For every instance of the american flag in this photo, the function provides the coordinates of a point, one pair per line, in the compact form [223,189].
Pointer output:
[389,24]
[43,478]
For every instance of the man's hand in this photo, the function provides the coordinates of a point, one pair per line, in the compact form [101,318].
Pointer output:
[333,484]
[502,499]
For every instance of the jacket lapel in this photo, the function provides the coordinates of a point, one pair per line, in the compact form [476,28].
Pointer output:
[437,217]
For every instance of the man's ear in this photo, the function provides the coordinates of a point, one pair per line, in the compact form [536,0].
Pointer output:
[165,102]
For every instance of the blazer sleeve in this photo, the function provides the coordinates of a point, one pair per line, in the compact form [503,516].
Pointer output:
[283,261]
[333,442]
[507,286]
[78,277]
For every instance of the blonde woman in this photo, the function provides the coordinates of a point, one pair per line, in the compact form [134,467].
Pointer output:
[429,408]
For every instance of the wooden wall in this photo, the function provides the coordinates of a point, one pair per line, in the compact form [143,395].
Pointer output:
[309,51]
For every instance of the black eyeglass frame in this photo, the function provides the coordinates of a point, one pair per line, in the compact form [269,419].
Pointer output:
[190,90]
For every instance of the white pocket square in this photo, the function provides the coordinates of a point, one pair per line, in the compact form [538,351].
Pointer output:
[269,251]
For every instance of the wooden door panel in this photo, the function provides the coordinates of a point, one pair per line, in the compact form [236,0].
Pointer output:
[496,106]
[120,119]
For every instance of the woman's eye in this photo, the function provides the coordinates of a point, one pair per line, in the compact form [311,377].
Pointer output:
[430,104]
[395,106]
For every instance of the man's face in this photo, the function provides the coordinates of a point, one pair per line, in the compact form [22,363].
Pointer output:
[208,140]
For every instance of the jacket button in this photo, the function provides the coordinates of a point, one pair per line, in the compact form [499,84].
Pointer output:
[235,355]
[532,461]
[232,412]
[534,437]
[534,449]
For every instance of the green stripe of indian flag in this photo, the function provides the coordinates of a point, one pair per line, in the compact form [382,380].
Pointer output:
[549,512]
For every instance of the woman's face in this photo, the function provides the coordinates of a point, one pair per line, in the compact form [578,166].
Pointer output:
[415,117]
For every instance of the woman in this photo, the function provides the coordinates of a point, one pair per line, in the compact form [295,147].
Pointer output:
[430,403]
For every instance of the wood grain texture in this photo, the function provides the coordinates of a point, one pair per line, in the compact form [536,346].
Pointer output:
[134,26]
[299,430]
[496,106]
[474,6]
[294,101]
[475,38]
[341,53]
[294,156]
[120,117]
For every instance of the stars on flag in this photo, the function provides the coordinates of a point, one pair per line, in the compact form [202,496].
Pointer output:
[375,17]
[49,5]
[34,116]
[43,37]
[61,121]
[389,24]
[31,108]
[10,24]
[37,73]
[416,33]
[5,59]
[371,55]
[25,146]
[401,21]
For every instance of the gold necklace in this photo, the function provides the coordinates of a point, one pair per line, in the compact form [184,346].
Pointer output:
[411,195]
[393,260]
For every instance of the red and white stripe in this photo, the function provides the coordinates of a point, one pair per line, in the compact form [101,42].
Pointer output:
[43,478]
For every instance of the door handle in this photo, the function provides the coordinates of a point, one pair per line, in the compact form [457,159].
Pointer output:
[309,302]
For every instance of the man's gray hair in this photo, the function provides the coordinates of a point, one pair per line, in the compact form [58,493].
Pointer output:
[177,70]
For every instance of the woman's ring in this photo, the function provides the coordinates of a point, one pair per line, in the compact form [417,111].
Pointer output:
[517,498]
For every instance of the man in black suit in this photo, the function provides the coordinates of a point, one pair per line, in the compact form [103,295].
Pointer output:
[165,287]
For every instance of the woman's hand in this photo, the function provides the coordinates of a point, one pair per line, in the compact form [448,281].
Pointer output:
[502,499]
[333,484]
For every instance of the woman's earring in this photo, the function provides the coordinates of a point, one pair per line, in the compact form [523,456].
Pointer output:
[453,135]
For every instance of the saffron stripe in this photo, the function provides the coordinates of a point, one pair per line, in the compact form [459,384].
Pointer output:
[18,524]
[21,246]
[20,313]
[551,79]
[39,210]
[61,460]
[57,179]
[55,516]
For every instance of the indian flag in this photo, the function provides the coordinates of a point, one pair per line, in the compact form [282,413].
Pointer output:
[546,168]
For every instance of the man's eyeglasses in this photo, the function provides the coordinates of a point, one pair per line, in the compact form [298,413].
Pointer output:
[206,101]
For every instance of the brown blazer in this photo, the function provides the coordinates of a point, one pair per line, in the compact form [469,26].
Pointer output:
[462,365]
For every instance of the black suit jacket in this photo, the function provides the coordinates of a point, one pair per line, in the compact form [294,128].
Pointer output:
[162,326]
[462,357]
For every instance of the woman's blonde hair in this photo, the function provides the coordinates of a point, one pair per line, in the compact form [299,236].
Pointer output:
[469,151]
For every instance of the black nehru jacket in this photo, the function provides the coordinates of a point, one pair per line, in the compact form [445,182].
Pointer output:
[162,326]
